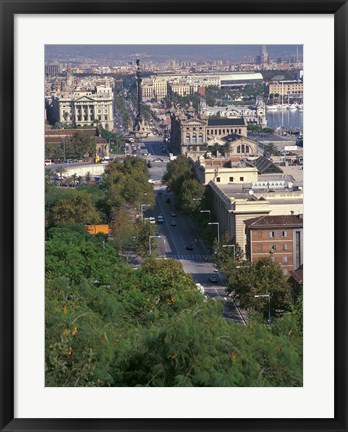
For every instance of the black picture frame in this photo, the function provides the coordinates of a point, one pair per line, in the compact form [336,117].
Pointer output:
[9,8]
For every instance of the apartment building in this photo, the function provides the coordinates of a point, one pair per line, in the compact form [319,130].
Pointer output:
[278,237]
[286,88]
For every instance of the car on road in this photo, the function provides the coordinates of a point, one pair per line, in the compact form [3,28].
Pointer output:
[190,247]
[200,288]
[160,219]
[213,279]
[173,214]
[173,223]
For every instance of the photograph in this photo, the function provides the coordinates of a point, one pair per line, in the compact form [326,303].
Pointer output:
[174,215]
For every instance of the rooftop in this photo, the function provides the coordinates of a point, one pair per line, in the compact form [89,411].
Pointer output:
[270,221]
[226,122]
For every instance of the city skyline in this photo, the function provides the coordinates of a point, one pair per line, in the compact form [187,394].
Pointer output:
[166,52]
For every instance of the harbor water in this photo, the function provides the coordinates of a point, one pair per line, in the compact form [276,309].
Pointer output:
[285,119]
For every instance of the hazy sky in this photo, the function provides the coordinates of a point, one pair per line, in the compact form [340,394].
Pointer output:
[166,52]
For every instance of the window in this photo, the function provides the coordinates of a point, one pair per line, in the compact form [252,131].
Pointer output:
[218,179]
[283,234]
[272,234]
[273,248]
[285,247]
[247,149]
[187,140]
[285,259]
[240,131]
[272,258]
[238,149]
[231,179]
[194,139]
[200,139]
[285,272]
[241,178]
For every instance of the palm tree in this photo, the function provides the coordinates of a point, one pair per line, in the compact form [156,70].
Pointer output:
[60,171]
[88,177]
[74,177]
[271,149]
[48,175]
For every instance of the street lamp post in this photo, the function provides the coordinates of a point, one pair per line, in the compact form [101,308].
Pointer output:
[269,304]
[206,211]
[141,210]
[218,229]
[151,237]
[234,251]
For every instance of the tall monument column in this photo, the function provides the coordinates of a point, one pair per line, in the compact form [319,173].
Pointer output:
[140,129]
[138,119]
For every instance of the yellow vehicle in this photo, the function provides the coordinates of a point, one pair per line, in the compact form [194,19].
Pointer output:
[97,159]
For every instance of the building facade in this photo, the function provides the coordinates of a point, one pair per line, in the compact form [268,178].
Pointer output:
[277,237]
[286,88]
[235,203]
[78,109]
[191,132]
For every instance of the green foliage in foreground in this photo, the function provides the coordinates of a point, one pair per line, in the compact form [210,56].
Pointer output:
[107,325]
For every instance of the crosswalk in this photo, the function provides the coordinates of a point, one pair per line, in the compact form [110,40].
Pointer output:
[189,257]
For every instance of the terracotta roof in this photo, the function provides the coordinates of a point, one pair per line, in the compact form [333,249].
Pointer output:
[275,221]
[60,139]
[297,275]
[214,162]
[70,132]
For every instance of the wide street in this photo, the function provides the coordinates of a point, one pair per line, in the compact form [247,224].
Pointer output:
[180,237]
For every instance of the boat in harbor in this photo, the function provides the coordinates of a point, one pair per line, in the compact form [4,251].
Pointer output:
[272,107]
[292,107]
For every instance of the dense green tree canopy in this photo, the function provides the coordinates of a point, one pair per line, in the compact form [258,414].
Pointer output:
[79,209]
[108,325]
[126,184]
[262,277]
[189,195]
